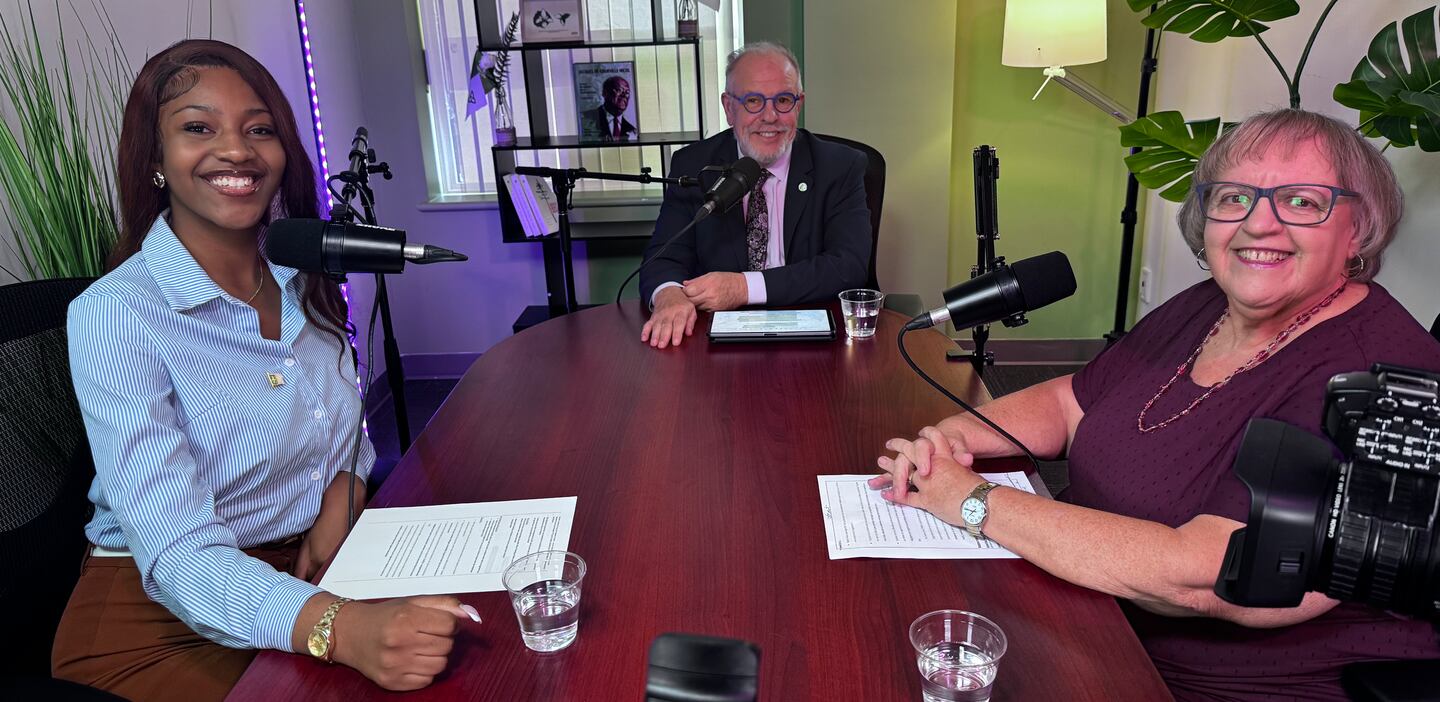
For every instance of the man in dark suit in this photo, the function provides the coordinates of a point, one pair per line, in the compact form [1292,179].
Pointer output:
[801,236]
[607,122]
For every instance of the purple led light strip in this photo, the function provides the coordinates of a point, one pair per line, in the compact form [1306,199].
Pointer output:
[320,141]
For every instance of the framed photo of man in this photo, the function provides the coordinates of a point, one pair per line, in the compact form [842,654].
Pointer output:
[605,101]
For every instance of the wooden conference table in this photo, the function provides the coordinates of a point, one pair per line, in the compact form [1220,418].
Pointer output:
[699,512]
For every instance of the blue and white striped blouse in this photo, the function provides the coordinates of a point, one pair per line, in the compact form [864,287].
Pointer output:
[196,454]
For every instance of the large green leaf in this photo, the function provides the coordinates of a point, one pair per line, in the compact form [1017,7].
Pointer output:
[1398,101]
[1170,147]
[1212,20]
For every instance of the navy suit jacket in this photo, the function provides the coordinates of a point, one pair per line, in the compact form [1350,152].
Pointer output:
[827,224]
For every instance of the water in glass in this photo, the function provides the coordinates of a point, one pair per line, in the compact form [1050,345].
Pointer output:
[549,615]
[860,318]
[956,672]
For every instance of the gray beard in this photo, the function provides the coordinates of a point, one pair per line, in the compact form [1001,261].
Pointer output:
[766,163]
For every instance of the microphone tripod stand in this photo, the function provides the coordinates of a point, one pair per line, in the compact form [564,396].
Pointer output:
[562,181]
[987,232]
[357,183]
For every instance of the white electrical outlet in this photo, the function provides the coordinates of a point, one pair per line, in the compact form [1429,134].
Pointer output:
[1145,284]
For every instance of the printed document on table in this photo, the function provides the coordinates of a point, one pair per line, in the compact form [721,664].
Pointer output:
[859,523]
[772,321]
[442,549]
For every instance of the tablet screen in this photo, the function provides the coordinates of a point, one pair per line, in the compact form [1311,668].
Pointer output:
[744,322]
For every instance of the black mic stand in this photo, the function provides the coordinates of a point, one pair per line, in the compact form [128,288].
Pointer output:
[357,182]
[562,181]
[987,231]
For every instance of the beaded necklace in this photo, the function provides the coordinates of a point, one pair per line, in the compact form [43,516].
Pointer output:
[1259,358]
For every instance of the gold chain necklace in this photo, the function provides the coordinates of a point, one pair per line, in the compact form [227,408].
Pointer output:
[1259,358]
[259,287]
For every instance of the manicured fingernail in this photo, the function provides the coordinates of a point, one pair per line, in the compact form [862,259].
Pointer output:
[470,611]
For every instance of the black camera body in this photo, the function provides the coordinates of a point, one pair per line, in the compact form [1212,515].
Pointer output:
[1361,528]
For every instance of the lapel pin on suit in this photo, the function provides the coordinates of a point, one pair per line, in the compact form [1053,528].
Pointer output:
[803,186]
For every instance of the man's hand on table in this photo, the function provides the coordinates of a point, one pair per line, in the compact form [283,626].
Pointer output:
[673,319]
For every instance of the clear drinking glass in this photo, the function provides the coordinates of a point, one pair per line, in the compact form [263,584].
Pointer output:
[861,308]
[958,654]
[544,589]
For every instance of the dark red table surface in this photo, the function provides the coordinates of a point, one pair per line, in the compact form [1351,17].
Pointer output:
[699,511]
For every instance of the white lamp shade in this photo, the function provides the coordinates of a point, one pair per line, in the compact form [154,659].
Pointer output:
[1044,33]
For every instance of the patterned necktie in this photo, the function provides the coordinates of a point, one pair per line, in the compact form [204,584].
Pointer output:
[757,223]
[615,131]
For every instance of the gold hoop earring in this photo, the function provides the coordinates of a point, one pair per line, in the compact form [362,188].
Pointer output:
[1200,259]
[1356,269]
[158,180]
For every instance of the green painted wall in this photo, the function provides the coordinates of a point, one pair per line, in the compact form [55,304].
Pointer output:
[1062,178]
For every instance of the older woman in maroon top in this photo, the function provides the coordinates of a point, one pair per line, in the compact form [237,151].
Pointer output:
[1291,213]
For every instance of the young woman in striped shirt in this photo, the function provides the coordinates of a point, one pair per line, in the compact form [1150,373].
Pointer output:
[218,396]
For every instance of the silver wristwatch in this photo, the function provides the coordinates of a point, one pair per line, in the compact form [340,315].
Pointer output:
[976,508]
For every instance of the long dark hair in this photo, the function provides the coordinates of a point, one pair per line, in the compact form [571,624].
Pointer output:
[170,74]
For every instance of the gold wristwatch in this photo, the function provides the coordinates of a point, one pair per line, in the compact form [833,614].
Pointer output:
[322,637]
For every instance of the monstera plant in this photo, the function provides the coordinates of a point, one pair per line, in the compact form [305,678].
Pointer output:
[1395,86]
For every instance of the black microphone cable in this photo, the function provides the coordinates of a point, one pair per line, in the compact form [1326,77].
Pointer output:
[698,216]
[360,425]
[900,340]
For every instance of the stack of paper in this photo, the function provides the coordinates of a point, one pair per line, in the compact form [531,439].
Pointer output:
[859,523]
[402,551]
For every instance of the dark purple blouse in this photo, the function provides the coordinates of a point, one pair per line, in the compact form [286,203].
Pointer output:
[1173,474]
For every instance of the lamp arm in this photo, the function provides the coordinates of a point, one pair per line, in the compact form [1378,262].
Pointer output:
[1091,94]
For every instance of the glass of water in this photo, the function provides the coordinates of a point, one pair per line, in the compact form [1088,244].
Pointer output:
[861,308]
[544,588]
[958,654]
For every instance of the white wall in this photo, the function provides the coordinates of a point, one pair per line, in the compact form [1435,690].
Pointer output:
[1234,79]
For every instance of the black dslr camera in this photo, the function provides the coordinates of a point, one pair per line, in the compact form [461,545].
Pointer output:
[1362,528]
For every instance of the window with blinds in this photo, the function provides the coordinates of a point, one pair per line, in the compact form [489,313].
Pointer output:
[664,93]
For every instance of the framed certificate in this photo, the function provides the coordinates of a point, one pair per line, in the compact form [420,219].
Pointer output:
[545,21]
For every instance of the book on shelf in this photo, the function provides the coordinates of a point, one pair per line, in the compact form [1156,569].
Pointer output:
[547,204]
[519,197]
[535,204]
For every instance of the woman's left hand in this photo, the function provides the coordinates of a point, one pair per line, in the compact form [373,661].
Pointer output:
[938,491]
[320,542]
[330,525]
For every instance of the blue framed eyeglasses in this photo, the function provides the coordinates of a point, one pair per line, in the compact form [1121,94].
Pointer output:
[754,103]
[1298,204]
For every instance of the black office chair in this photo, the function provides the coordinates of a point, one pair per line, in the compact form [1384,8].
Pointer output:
[44,473]
[874,194]
[1392,681]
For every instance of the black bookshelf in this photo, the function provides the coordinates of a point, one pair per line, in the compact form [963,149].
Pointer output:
[538,109]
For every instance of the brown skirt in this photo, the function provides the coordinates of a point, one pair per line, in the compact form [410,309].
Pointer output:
[114,637]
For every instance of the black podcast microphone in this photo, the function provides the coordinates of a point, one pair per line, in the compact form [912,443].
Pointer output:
[732,187]
[1022,286]
[337,248]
